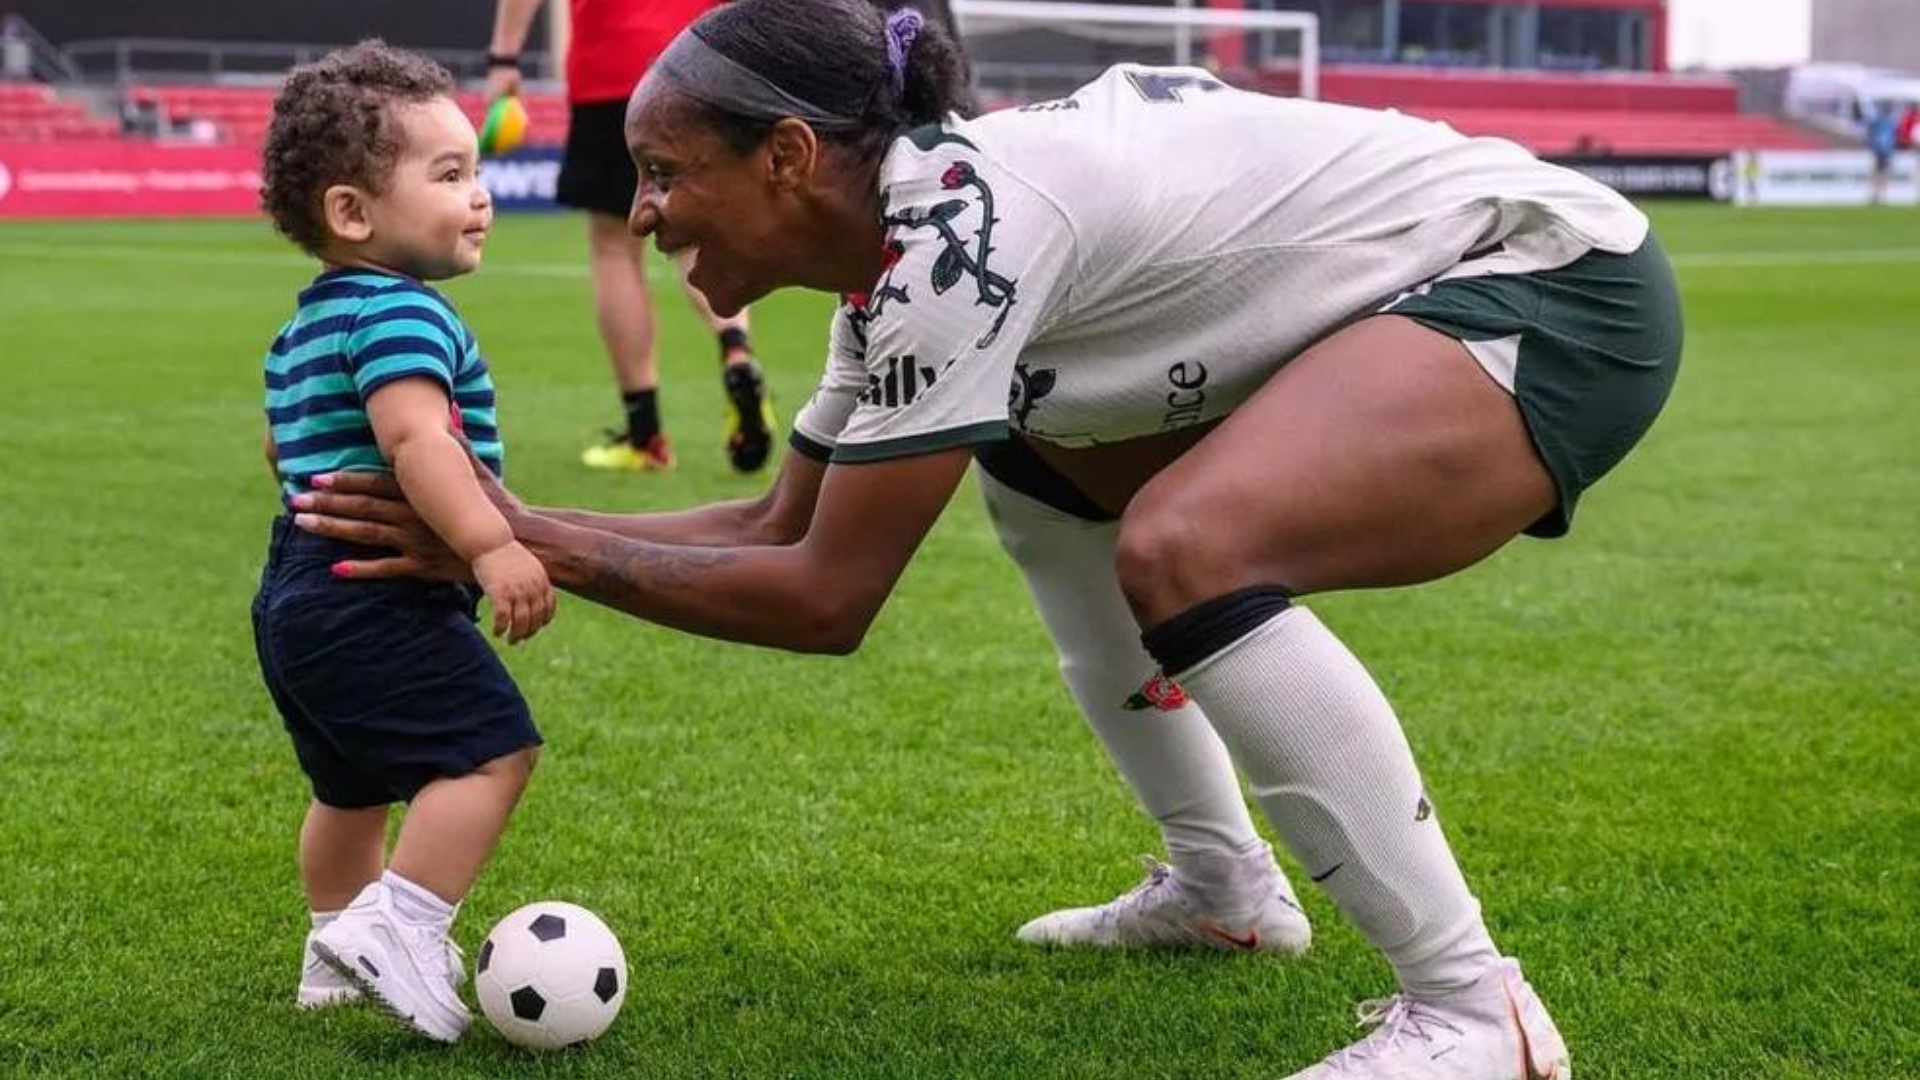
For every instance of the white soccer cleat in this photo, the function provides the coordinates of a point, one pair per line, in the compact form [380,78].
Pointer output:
[1495,1029]
[410,970]
[1252,909]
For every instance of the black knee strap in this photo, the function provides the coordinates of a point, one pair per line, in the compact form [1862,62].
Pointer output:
[1212,625]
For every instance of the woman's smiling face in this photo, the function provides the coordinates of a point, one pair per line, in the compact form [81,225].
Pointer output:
[717,208]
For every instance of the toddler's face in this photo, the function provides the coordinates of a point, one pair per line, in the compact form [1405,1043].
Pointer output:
[431,217]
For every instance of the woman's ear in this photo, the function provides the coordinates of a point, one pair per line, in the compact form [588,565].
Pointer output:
[344,208]
[793,153]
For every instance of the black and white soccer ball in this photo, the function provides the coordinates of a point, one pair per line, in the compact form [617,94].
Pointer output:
[550,975]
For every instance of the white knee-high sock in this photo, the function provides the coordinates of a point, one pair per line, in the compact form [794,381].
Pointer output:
[1328,763]
[1166,750]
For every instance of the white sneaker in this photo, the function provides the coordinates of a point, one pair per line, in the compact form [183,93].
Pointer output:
[407,968]
[1495,1029]
[321,987]
[1251,908]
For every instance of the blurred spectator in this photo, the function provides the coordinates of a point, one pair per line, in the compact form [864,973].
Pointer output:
[1883,131]
[1904,137]
[1589,146]
[140,115]
[16,56]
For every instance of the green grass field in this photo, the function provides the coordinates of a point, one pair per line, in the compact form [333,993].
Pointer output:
[1676,750]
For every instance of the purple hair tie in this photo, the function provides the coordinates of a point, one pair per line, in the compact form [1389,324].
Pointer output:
[903,26]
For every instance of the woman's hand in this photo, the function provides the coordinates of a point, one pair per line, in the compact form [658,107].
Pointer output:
[368,508]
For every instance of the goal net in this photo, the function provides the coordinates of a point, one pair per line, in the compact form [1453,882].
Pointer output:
[1030,50]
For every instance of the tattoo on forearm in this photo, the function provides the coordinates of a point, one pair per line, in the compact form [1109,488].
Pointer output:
[619,569]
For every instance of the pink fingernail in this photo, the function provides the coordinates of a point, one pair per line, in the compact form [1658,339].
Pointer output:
[340,569]
[302,502]
[323,480]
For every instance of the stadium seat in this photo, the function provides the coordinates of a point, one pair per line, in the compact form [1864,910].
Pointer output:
[1408,87]
[1565,113]
[35,113]
[18,94]
[1557,131]
[241,113]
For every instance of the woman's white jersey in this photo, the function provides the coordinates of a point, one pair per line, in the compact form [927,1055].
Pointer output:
[1141,256]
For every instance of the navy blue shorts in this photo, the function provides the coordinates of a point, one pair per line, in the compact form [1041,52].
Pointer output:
[385,686]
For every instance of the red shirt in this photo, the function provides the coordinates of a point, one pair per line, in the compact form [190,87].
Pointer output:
[612,42]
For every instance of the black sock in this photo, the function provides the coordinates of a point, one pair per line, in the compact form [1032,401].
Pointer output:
[643,415]
[1212,625]
[733,339]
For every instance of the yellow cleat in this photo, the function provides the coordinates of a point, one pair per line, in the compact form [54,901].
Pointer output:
[620,455]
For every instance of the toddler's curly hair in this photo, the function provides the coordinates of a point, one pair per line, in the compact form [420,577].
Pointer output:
[332,125]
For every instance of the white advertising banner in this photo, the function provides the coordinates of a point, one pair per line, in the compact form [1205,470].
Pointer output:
[1822,178]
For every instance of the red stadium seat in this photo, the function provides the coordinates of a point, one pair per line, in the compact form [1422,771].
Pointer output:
[1558,113]
[1408,88]
[33,112]
[1556,131]
[19,94]
[242,113]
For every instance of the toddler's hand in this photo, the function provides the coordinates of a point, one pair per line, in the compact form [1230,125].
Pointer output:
[517,584]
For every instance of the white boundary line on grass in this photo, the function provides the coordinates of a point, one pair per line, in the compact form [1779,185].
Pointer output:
[1736,259]
[169,254]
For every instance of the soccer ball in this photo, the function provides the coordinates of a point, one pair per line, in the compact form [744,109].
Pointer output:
[550,975]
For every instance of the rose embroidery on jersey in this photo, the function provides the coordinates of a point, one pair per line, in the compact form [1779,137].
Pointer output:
[959,258]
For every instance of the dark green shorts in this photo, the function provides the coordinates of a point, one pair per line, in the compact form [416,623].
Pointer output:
[1589,351]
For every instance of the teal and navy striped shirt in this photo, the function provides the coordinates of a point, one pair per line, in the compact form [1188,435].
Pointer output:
[357,330]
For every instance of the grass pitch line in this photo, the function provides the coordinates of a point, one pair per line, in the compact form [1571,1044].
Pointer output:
[170,254]
[1738,259]
[158,253]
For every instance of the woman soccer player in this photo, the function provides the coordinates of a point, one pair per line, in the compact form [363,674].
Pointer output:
[1215,351]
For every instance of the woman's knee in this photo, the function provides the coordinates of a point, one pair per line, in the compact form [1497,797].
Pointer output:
[1172,555]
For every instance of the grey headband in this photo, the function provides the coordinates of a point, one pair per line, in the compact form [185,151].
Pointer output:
[692,67]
